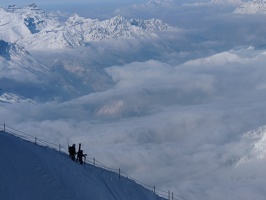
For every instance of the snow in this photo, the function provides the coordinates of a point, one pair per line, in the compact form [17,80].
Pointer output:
[17,63]
[256,141]
[252,7]
[13,98]
[30,171]
[34,29]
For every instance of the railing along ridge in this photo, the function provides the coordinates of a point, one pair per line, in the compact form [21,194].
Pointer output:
[25,136]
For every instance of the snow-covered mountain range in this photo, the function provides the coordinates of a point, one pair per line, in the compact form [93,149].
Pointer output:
[252,7]
[29,28]
[34,29]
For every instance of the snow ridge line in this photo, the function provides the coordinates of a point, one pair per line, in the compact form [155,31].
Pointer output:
[37,141]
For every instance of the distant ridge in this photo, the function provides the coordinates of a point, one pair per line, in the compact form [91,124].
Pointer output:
[252,7]
[160,3]
[32,28]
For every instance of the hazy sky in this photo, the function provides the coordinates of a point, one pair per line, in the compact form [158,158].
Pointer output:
[101,9]
[63,3]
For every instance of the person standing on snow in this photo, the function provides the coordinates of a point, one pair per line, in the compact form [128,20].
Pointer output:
[81,155]
[72,151]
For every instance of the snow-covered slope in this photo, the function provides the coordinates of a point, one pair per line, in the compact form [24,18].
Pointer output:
[252,7]
[8,50]
[13,98]
[256,141]
[34,29]
[22,77]
[19,72]
[115,28]
[30,171]
[26,25]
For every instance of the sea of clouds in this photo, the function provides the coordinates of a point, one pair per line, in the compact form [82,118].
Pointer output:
[170,111]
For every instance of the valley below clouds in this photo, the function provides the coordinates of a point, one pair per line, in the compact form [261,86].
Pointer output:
[184,111]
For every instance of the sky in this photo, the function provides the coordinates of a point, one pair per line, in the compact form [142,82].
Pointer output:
[173,111]
[88,8]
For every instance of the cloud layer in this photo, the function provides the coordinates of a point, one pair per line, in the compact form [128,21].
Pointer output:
[178,127]
[170,112]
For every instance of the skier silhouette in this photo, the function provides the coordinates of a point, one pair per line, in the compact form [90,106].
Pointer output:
[81,155]
[72,151]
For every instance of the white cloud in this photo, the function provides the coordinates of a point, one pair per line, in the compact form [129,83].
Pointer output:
[177,127]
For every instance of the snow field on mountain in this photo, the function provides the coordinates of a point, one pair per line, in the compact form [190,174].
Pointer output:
[34,29]
[30,171]
[252,7]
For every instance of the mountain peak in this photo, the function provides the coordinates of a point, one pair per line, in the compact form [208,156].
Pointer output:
[160,2]
[33,5]
[30,9]
[12,8]
[32,28]
[252,7]
[119,18]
